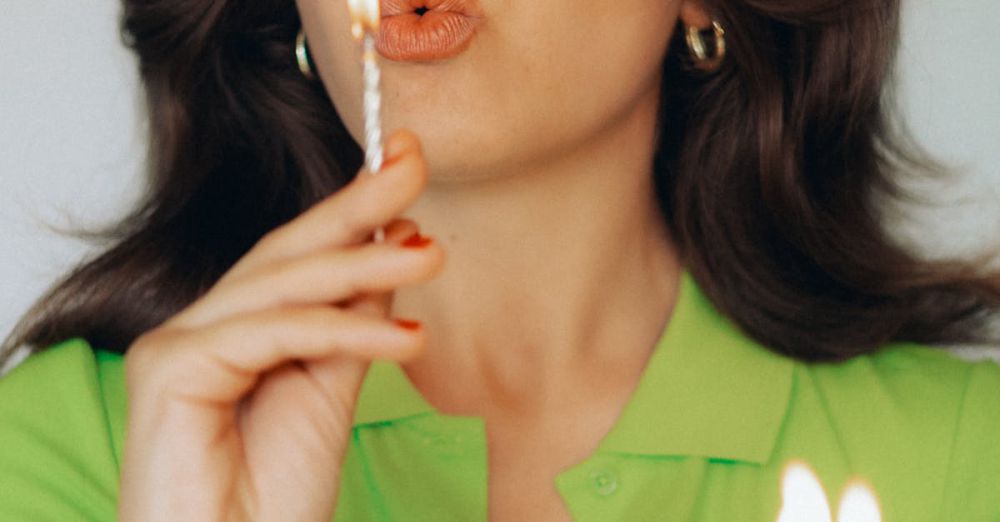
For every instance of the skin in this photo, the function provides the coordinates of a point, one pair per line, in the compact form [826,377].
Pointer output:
[560,275]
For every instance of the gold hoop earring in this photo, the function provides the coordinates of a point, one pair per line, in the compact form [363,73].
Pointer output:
[696,43]
[302,56]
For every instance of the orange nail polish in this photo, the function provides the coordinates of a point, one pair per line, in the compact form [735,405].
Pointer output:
[417,241]
[408,324]
[389,161]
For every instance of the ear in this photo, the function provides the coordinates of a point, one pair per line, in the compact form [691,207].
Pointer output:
[694,14]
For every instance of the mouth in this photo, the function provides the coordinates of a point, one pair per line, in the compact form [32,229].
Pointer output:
[426,30]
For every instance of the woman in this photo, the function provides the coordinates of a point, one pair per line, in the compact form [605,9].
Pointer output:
[665,278]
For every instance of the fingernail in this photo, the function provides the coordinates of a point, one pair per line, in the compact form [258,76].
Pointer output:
[417,241]
[409,325]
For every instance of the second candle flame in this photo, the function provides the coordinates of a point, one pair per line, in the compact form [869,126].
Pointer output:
[804,499]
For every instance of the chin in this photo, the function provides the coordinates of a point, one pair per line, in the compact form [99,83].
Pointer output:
[455,149]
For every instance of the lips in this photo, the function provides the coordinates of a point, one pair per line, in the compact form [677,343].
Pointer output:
[426,30]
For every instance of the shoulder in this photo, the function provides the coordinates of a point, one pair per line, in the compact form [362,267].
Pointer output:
[68,374]
[922,416]
[917,383]
[915,389]
[58,457]
[974,466]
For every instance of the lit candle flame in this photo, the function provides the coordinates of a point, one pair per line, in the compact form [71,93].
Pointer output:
[365,17]
[803,499]
[858,503]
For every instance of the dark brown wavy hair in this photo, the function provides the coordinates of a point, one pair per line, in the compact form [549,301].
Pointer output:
[769,173]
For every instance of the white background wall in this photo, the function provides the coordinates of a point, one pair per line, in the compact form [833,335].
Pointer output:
[71,145]
[72,137]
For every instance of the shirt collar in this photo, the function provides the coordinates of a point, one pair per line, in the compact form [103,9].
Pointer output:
[708,390]
[387,395]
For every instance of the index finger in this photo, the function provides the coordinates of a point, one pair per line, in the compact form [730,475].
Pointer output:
[352,213]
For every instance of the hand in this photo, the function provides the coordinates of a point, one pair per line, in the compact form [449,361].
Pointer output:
[241,405]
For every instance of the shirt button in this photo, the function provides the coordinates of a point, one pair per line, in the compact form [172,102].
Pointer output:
[604,482]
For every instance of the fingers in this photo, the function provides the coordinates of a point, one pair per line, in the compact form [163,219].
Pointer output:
[399,230]
[326,277]
[380,303]
[205,364]
[352,213]
[280,300]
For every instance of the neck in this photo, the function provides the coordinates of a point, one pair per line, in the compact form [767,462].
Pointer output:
[551,269]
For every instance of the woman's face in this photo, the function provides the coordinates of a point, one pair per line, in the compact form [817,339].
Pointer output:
[538,79]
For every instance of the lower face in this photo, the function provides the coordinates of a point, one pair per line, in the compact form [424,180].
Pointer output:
[537,78]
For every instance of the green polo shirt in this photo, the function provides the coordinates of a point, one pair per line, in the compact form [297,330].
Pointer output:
[705,437]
